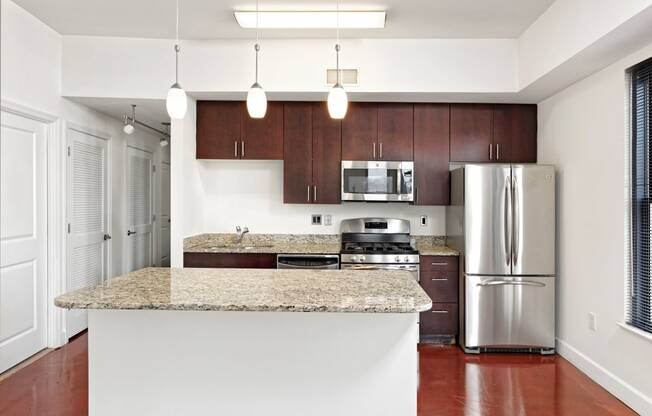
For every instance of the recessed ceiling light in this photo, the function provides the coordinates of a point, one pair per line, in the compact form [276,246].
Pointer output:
[311,20]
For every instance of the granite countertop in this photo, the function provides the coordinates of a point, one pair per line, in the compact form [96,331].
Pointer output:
[268,290]
[296,244]
[429,245]
[264,243]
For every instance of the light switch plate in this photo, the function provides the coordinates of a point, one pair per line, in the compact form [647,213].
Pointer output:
[316,219]
[423,221]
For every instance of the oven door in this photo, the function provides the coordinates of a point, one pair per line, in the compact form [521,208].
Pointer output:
[377,181]
[412,268]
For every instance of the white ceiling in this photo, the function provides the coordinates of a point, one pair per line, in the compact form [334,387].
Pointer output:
[212,19]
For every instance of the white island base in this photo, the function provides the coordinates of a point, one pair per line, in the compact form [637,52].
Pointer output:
[165,362]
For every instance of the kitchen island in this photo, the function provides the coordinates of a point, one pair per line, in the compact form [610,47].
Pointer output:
[252,341]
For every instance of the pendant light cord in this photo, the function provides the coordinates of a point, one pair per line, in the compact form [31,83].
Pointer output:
[257,45]
[177,49]
[337,44]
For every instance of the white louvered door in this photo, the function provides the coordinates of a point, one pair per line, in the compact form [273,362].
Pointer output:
[88,217]
[23,238]
[140,210]
[165,214]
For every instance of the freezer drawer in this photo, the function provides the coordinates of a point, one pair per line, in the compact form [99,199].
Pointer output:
[509,312]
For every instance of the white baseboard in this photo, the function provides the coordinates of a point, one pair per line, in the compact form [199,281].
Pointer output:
[612,383]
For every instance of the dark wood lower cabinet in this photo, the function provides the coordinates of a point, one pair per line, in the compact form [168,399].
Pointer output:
[230,260]
[439,278]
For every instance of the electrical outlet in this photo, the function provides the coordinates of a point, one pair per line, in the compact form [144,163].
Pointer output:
[423,221]
[316,219]
[328,219]
[593,321]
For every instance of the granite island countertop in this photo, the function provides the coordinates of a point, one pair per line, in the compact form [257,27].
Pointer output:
[268,290]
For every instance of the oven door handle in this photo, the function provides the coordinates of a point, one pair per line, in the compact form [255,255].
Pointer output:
[374,267]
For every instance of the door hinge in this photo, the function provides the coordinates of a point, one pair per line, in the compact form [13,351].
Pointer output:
[153,168]
[68,228]
[153,217]
[68,150]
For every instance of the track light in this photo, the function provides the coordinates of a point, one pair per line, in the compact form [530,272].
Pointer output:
[256,97]
[128,127]
[165,139]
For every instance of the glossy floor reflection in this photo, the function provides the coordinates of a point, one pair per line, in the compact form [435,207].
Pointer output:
[452,383]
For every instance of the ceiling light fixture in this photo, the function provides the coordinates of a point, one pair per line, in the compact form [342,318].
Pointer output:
[337,99]
[176,101]
[256,98]
[312,19]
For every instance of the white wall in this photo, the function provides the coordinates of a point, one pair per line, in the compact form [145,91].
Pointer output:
[250,193]
[94,66]
[31,59]
[582,130]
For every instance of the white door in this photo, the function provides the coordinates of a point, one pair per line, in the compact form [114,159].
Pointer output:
[23,238]
[88,203]
[140,211]
[164,219]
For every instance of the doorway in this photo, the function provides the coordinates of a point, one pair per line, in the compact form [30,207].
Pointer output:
[140,210]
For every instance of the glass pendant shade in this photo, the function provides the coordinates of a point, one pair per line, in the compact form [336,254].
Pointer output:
[176,102]
[128,128]
[337,102]
[256,101]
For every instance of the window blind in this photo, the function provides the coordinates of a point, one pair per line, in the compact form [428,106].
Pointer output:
[639,310]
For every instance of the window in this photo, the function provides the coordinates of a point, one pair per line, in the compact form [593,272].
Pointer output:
[639,311]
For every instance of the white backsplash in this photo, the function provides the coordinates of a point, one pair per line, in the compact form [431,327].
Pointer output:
[251,193]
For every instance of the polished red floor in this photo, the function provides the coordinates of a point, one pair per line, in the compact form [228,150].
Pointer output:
[452,383]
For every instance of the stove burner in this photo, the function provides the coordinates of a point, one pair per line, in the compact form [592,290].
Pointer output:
[378,248]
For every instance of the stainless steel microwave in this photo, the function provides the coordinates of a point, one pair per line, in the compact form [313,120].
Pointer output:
[377,181]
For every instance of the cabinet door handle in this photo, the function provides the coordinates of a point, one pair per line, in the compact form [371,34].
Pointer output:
[380,148]
[434,279]
[491,152]
[416,195]
[242,149]
[439,311]
[308,193]
[497,151]
[374,149]
[314,193]
[438,264]
[235,148]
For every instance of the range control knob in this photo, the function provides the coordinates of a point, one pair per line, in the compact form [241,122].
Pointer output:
[362,258]
[406,259]
[397,259]
[354,258]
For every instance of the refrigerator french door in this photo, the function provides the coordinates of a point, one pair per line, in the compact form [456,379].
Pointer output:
[507,216]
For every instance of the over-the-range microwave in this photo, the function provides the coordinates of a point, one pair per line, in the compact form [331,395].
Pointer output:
[377,181]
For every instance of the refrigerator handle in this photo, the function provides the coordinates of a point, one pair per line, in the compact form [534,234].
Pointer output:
[515,222]
[507,219]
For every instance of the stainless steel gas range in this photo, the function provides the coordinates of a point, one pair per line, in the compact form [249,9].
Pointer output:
[378,244]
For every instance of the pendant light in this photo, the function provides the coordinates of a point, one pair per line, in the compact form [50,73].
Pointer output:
[337,99]
[176,102]
[256,97]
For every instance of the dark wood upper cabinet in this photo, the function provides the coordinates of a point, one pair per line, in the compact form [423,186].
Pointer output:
[218,129]
[326,155]
[297,153]
[360,132]
[431,154]
[311,155]
[515,133]
[471,128]
[263,138]
[395,131]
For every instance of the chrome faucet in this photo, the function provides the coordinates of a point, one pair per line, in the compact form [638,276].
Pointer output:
[240,232]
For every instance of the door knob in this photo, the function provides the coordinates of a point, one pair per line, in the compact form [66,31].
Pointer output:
[107,237]
[129,232]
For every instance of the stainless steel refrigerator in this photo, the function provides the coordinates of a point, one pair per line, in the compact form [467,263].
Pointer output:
[502,220]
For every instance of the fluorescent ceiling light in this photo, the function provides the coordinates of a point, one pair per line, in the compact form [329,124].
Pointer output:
[311,20]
